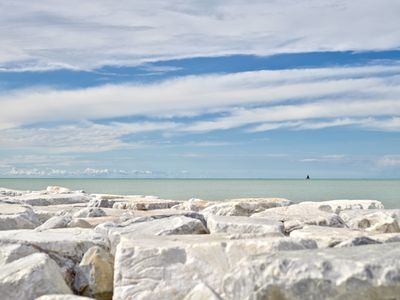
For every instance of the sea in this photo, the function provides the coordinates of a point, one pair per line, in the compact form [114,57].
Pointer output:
[387,191]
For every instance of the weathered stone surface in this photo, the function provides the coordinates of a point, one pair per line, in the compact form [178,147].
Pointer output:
[144,203]
[382,220]
[55,222]
[244,225]
[64,242]
[44,213]
[101,203]
[336,206]
[90,212]
[142,226]
[14,216]
[30,277]
[202,292]
[58,190]
[44,199]
[193,205]
[62,297]
[357,241]
[4,192]
[171,266]
[296,216]
[326,236]
[365,272]
[245,206]
[79,223]
[94,276]
[13,251]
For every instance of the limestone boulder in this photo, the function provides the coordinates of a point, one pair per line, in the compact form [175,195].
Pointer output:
[14,216]
[366,272]
[336,206]
[94,275]
[58,190]
[193,204]
[90,212]
[30,277]
[172,266]
[326,236]
[13,251]
[202,292]
[296,216]
[245,206]
[380,220]
[44,199]
[244,225]
[55,222]
[144,203]
[4,192]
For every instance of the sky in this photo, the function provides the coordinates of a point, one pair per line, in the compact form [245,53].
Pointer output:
[200,89]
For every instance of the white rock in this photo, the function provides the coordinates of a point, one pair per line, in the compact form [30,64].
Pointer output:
[326,236]
[14,216]
[13,251]
[40,199]
[55,222]
[144,203]
[164,226]
[193,205]
[296,216]
[383,220]
[30,277]
[171,266]
[357,241]
[89,212]
[63,297]
[336,206]
[11,193]
[364,272]
[245,206]
[202,292]
[244,225]
[58,190]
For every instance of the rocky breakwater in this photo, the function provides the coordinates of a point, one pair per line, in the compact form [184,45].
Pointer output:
[59,244]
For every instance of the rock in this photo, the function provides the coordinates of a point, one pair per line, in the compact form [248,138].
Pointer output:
[89,212]
[11,193]
[165,226]
[40,199]
[171,266]
[17,217]
[44,213]
[296,216]
[245,206]
[244,225]
[384,220]
[336,206]
[58,190]
[13,251]
[193,205]
[101,203]
[365,272]
[63,297]
[357,241]
[144,203]
[94,276]
[30,277]
[326,236]
[202,292]
[55,222]
[79,223]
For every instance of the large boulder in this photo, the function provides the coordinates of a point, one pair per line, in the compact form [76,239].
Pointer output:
[14,216]
[143,226]
[44,199]
[55,222]
[143,203]
[380,220]
[326,236]
[171,266]
[90,212]
[13,251]
[94,275]
[4,193]
[30,277]
[365,272]
[58,190]
[244,225]
[296,216]
[336,206]
[193,204]
[244,206]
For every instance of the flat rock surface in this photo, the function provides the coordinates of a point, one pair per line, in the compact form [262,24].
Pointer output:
[14,216]
[380,220]
[365,272]
[146,267]
[244,225]
[337,206]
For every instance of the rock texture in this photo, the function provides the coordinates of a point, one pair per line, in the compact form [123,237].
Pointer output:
[364,272]
[30,277]
[383,220]
[17,217]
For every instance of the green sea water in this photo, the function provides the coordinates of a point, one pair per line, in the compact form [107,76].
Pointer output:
[387,191]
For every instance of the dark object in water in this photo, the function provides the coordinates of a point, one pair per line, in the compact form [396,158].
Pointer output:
[308,177]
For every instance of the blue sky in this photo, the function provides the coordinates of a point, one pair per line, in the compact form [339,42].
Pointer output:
[267,89]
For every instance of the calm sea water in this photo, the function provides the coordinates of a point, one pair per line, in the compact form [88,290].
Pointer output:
[387,191]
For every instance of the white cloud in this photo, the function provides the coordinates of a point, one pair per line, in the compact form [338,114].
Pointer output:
[389,161]
[42,35]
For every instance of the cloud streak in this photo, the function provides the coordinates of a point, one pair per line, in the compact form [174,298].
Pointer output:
[40,35]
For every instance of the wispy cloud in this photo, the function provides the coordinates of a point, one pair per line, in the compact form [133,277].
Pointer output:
[41,35]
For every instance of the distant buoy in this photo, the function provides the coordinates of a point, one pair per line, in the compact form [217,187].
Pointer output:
[308,177]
